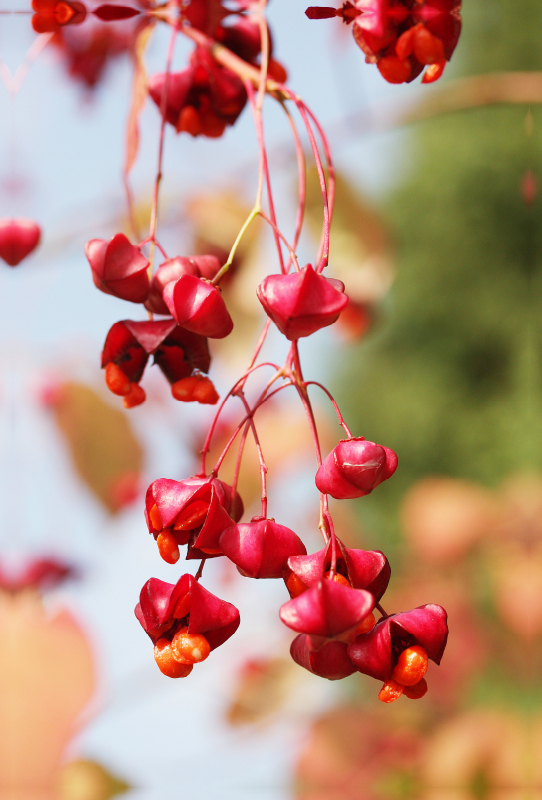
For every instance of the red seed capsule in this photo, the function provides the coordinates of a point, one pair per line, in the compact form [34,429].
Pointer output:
[168,547]
[411,666]
[116,381]
[391,691]
[190,648]
[163,655]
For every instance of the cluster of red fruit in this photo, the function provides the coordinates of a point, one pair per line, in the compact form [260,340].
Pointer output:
[335,592]
[181,287]
[401,37]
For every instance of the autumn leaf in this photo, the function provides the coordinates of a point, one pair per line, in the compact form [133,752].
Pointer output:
[106,454]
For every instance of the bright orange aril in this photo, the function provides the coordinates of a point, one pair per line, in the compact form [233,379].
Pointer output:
[135,397]
[205,392]
[295,585]
[183,606]
[155,518]
[183,390]
[192,516]
[338,578]
[168,547]
[210,551]
[433,72]
[163,656]
[393,69]
[411,666]
[116,381]
[161,629]
[366,625]
[391,691]
[189,121]
[190,648]
[428,49]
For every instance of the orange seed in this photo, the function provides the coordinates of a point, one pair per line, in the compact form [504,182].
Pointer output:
[411,666]
[163,655]
[190,648]
[168,547]
[391,691]
[116,381]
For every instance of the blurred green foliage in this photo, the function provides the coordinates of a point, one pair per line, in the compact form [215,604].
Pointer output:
[451,376]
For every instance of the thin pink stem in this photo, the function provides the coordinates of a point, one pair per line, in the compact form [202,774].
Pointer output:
[270,222]
[260,402]
[35,50]
[263,466]
[131,208]
[163,106]
[235,387]
[331,529]
[239,459]
[342,423]
[302,183]
[255,355]
[330,174]
[325,234]
[304,397]
[264,169]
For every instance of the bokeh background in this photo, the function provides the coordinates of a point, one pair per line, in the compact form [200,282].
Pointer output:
[437,235]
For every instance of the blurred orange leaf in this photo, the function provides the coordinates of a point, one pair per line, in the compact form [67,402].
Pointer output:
[263,684]
[139,95]
[105,451]
[87,780]
[46,680]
